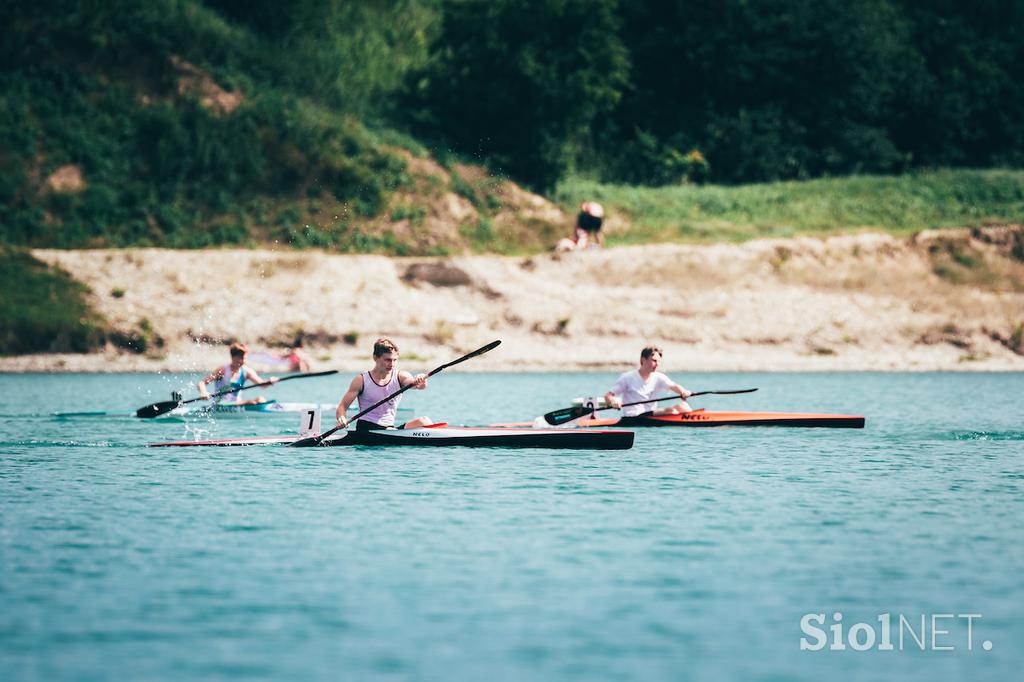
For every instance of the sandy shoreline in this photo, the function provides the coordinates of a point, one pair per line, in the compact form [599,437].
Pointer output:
[849,303]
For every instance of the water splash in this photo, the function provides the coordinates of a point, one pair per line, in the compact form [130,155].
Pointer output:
[195,432]
[988,435]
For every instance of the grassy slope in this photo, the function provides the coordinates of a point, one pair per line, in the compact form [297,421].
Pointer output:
[43,309]
[901,204]
[132,102]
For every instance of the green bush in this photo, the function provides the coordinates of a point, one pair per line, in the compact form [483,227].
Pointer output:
[464,190]
[306,236]
[414,214]
[648,161]
[43,309]
[142,339]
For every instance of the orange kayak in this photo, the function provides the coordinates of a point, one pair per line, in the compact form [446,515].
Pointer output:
[713,418]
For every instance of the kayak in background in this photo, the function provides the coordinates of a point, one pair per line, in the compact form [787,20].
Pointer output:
[271,407]
[714,418]
[441,435]
[228,409]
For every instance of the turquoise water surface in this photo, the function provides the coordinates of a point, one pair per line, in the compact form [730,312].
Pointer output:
[695,555]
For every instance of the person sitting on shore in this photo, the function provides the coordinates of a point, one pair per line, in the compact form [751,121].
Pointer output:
[233,376]
[376,384]
[587,231]
[645,383]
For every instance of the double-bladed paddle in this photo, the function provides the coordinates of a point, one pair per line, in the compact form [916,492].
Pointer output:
[317,440]
[157,409]
[567,414]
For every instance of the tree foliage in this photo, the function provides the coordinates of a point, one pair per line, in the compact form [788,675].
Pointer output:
[521,83]
[350,55]
[761,89]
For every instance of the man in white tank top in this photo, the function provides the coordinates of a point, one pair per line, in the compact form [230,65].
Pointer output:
[373,386]
[643,384]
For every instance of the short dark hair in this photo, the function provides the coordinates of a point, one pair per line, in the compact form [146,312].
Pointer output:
[382,346]
[588,222]
[649,351]
[238,350]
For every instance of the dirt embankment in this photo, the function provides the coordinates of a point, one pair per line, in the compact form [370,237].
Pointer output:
[943,300]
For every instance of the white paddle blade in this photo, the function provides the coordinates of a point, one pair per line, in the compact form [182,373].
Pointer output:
[310,425]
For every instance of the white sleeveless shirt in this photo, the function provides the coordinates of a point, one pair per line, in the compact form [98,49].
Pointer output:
[225,382]
[372,392]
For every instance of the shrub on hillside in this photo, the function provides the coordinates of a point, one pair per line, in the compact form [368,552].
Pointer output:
[43,309]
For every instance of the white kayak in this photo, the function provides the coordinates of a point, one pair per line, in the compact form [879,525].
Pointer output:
[271,407]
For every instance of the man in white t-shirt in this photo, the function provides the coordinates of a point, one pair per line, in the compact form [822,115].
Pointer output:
[643,384]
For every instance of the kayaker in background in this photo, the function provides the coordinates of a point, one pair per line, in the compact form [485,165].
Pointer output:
[373,386]
[295,358]
[645,383]
[586,233]
[233,375]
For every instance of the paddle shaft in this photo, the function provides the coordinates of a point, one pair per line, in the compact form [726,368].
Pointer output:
[316,440]
[567,414]
[264,383]
[670,397]
[157,409]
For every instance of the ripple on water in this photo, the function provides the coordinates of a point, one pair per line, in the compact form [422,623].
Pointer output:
[31,442]
[987,435]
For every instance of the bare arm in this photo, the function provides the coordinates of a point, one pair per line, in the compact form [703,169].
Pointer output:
[419,381]
[255,378]
[354,389]
[211,377]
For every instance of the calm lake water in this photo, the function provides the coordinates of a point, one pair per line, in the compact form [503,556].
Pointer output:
[692,556]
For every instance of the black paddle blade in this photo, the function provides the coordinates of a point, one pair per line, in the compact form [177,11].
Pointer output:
[156,409]
[566,414]
[742,390]
[479,351]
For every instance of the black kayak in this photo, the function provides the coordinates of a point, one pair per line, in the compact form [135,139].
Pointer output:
[444,436]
